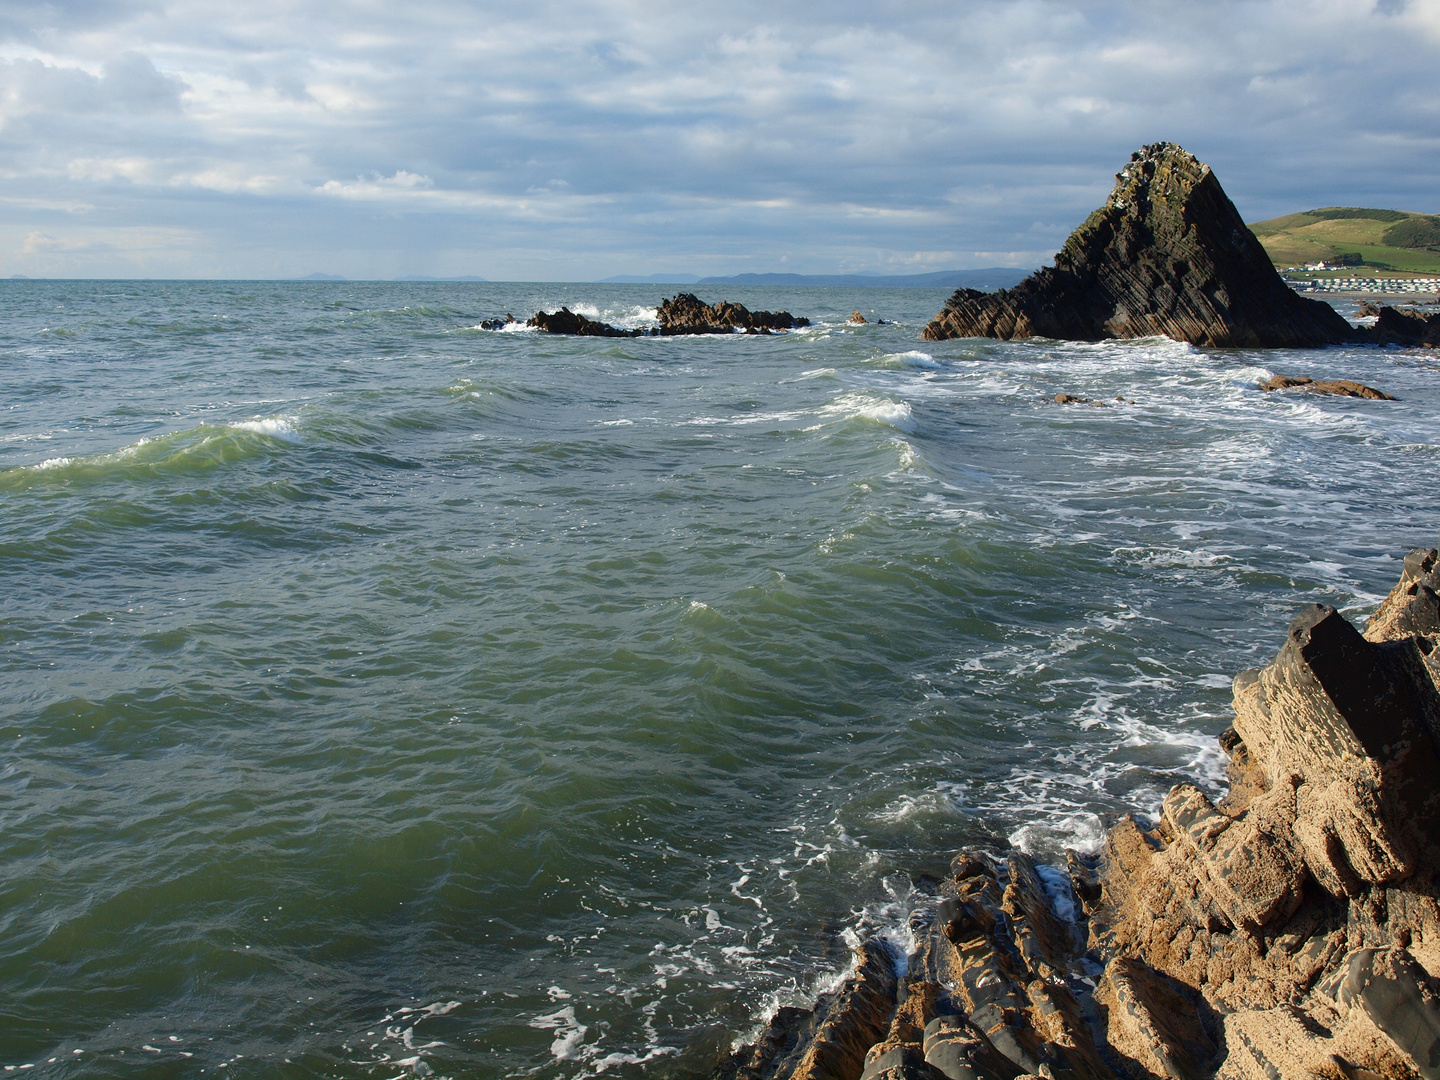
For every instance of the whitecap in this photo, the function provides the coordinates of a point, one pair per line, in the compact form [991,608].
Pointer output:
[859,405]
[276,427]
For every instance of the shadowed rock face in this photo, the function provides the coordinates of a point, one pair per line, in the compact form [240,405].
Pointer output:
[1167,255]
[566,321]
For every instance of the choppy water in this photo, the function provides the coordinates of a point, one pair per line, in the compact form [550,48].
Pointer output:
[384,696]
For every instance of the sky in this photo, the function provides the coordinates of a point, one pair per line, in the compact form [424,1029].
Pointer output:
[571,141]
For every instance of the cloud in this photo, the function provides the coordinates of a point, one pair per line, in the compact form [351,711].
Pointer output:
[127,83]
[578,139]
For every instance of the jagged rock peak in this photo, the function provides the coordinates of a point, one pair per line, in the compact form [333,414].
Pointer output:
[1167,255]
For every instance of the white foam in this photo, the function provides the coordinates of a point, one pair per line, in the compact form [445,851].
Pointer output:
[569,1033]
[611,1060]
[276,427]
[1058,891]
[858,405]
[1083,832]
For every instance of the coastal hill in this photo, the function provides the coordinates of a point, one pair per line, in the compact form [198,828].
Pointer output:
[1381,239]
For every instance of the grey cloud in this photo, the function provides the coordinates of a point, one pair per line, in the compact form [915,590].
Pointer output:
[565,135]
[128,83]
[131,82]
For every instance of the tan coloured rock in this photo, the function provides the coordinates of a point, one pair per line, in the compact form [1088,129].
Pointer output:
[1155,1022]
[1335,387]
[1303,908]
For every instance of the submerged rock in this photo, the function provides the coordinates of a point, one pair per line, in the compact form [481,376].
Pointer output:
[566,321]
[1291,930]
[687,314]
[1167,255]
[1338,387]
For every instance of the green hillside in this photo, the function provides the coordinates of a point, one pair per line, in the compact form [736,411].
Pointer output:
[1392,241]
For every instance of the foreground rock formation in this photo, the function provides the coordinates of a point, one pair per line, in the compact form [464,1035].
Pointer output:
[1289,931]
[1167,255]
[687,314]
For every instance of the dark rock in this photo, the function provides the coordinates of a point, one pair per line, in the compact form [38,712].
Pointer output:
[1071,399]
[566,321]
[1405,327]
[1400,999]
[497,324]
[1338,387]
[1167,255]
[687,314]
[957,1048]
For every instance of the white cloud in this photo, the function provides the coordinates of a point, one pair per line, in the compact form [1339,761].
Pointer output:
[563,139]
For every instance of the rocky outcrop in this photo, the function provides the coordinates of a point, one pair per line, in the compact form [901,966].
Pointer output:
[1167,255]
[1290,930]
[687,314]
[1402,326]
[566,321]
[1337,387]
[857,319]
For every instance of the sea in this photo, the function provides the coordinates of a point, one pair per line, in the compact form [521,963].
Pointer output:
[387,697]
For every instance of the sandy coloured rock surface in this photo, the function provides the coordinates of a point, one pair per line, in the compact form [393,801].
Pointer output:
[1291,929]
[1336,387]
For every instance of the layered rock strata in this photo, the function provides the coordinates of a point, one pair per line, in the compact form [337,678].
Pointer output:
[1290,931]
[688,314]
[1167,255]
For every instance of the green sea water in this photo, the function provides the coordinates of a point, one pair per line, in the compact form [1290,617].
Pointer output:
[387,697]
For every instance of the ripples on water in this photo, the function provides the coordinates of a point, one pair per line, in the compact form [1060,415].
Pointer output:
[384,696]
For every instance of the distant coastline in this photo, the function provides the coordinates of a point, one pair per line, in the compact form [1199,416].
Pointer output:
[986,279]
